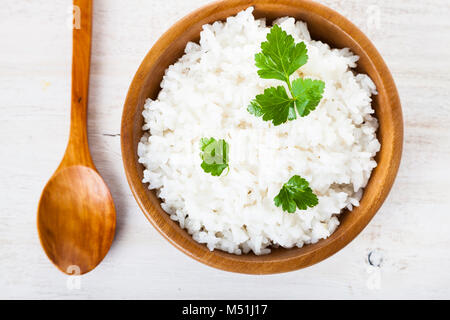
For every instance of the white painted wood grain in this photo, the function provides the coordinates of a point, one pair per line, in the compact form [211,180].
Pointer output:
[410,232]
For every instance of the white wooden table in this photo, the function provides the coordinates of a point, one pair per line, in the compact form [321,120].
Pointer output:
[409,235]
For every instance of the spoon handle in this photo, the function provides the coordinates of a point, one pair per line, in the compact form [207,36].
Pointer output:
[78,150]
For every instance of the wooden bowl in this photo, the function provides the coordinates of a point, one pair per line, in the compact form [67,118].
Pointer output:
[324,24]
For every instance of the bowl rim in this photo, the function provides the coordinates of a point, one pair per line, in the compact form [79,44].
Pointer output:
[313,253]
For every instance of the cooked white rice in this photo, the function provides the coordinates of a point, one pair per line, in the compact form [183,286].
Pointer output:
[206,94]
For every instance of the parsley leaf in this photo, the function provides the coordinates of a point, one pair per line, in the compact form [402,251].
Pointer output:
[296,193]
[280,56]
[307,94]
[274,104]
[214,155]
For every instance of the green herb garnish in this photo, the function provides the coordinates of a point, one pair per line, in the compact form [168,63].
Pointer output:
[296,193]
[281,57]
[214,155]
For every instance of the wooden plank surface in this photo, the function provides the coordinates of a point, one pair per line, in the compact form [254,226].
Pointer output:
[408,238]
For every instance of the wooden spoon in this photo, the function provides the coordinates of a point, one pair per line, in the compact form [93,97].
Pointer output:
[76,216]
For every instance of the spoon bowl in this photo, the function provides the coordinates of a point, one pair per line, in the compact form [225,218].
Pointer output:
[76,219]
